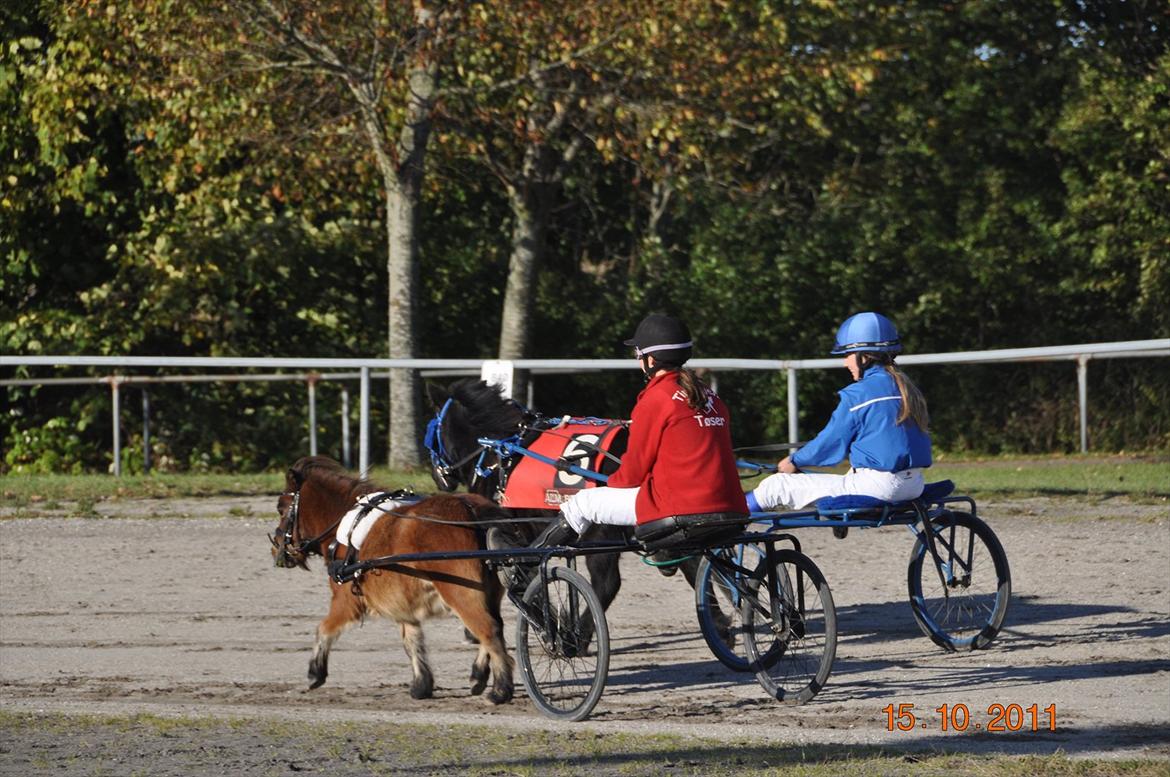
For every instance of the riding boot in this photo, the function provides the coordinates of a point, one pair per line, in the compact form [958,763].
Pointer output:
[518,576]
[558,532]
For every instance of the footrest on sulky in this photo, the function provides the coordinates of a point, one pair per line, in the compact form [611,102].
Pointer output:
[690,529]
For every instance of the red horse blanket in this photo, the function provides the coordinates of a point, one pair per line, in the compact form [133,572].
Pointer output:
[534,484]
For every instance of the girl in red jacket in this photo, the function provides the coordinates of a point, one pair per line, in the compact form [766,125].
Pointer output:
[679,459]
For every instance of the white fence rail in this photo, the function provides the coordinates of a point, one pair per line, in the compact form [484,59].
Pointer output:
[313,371]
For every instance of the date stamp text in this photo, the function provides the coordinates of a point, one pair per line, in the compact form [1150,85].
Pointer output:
[958,717]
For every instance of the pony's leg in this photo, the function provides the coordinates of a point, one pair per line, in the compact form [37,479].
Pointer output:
[604,575]
[344,609]
[422,685]
[480,612]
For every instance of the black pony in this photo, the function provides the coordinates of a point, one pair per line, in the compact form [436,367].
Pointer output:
[470,409]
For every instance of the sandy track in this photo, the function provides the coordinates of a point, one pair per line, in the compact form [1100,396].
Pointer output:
[183,613]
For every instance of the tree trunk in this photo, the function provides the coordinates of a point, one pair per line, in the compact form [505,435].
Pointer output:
[402,259]
[529,228]
[405,386]
[402,173]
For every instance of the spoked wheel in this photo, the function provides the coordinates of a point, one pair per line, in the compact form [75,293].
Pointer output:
[717,603]
[961,601]
[562,645]
[790,627]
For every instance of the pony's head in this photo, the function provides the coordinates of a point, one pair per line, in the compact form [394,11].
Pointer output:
[465,411]
[286,551]
[317,493]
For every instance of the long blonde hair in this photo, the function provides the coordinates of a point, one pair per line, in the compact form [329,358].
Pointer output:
[913,403]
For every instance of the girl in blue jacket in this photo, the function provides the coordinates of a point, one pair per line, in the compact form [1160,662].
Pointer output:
[880,425]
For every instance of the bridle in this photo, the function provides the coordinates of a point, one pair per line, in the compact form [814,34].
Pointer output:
[444,471]
[288,548]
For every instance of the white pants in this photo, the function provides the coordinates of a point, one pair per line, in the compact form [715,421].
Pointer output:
[614,506]
[804,488]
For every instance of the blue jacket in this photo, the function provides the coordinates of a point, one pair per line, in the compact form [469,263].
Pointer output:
[865,428]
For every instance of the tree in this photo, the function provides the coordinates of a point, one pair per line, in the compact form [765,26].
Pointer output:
[369,71]
[534,77]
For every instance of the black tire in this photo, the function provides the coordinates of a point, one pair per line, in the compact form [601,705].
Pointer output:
[717,605]
[565,680]
[790,635]
[968,611]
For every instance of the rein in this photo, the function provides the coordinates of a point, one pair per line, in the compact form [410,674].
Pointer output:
[433,519]
[303,547]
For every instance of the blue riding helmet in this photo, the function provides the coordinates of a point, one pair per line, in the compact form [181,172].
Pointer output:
[867,332]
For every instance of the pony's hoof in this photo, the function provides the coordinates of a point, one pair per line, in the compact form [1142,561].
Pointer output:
[422,688]
[316,677]
[477,686]
[499,695]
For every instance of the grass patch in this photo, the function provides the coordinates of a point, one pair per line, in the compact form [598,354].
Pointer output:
[41,491]
[45,742]
[1134,476]
[1073,475]
[1143,477]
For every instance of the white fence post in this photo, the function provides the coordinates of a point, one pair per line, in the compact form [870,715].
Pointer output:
[793,409]
[116,401]
[364,423]
[1083,399]
[346,458]
[145,430]
[311,380]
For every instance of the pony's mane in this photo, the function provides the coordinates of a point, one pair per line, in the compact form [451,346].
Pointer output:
[488,412]
[327,473]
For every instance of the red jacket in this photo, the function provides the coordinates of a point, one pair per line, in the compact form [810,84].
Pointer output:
[680,457]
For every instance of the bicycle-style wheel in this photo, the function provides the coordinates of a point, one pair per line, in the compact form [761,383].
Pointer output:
[563,662]
[961,601]
[717,603]
[790,627]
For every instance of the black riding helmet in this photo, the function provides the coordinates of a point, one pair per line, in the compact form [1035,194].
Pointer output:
[664,337]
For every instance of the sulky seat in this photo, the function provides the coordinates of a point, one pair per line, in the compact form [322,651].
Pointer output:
[855,503]
[694,529]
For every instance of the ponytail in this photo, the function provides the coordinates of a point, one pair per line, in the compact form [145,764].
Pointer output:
[694,387]
[913,403]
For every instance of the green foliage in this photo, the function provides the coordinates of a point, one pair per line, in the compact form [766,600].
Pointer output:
[989,176]
[54,446]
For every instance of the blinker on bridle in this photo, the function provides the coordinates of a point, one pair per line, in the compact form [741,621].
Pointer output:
[445,471]
[289,520]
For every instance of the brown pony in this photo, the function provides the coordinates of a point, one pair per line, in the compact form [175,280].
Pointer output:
[319,491]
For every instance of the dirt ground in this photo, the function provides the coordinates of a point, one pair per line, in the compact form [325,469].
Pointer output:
[174,608]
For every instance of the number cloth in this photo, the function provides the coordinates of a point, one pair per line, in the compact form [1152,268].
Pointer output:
[535,484]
